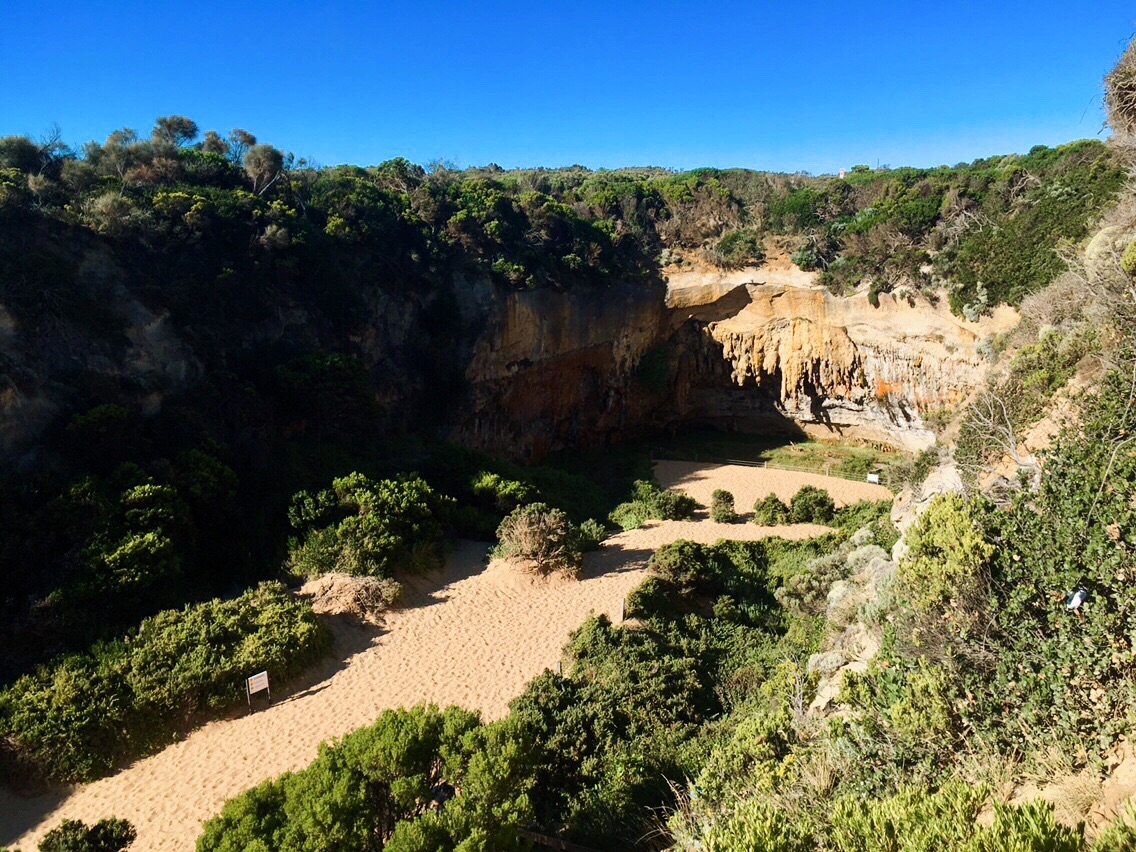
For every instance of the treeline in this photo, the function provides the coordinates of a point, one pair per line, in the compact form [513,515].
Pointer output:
[258,216]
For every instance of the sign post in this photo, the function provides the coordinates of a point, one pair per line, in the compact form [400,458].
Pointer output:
[255,684]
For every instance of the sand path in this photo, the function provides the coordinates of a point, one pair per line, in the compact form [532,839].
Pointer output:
[470,635]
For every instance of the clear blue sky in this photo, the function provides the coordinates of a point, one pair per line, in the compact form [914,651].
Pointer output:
[786,86]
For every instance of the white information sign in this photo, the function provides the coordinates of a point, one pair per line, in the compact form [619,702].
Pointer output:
[874,477]
[257,682]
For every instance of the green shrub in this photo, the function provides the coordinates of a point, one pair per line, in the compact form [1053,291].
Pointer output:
[106,835]
[737,249]
[807,591]
[806,258]
[503,494]
[610,732]
[863,513]
[915,819]
[360,792]
[650,502]
[1120,836]
[544,536]
[722,507]
[592,534]
[770,511]
[364,526]
[75,719]
[685,567]
[947,553]
[1128,260]
[811,505]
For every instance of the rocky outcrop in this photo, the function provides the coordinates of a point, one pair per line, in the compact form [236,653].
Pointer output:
[523,374]
[839,366]
[752,350]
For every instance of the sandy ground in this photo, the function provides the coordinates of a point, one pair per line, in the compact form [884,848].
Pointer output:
[472,635]
[748,484]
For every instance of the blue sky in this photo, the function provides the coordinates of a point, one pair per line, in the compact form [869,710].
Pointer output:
[786,86]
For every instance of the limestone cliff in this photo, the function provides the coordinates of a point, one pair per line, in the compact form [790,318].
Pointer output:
[559,369]
[839,365]
[523,374]
[751,350]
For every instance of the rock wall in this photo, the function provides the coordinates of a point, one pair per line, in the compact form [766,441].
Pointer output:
[523,374]
[553,370]
[838,366]
[751,350]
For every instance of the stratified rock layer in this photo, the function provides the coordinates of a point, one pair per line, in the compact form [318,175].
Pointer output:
[751,350]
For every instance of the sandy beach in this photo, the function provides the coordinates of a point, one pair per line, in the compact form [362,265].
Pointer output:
[473,634]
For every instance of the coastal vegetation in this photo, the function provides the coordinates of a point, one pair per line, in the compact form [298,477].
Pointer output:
[859,689]
[81,715]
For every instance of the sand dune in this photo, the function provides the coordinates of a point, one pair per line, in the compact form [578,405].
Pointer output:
[472,635]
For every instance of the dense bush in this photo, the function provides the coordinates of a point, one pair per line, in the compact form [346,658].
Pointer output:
[650,502]
[770,511]
[737,249]
[375,789]
[363,526]
[913,820]
[811,505]
[543,536]
[505,494]
[864,513]
[72,835]
[722,507]
[75,719]
[1067,672]
[592,534]
[1036,373]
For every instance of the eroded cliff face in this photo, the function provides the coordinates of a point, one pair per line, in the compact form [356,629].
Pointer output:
[523,374]
[554,370]
[754,350]
[838,365]
[127,351]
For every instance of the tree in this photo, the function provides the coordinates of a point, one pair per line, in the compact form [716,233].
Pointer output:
[214,144]
[174,130]
[263,165]
[19,152]
[117,154]
[770,511]
[722,507]
[368,527]
[989,416]
[811,505]
[239,143]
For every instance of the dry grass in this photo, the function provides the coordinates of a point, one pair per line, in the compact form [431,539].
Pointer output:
[999,772]
[1120,97]
[1072,791]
